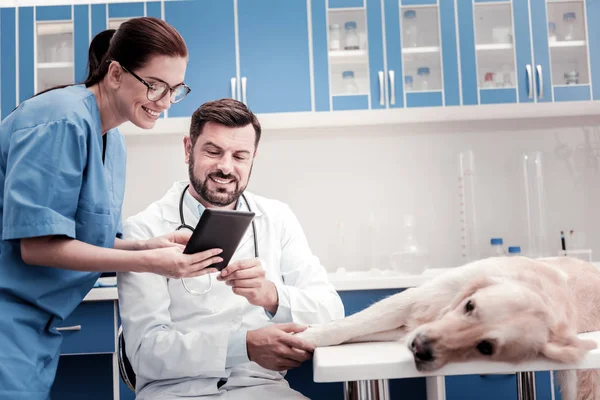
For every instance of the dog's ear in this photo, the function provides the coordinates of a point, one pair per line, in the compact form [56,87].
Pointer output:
[565,347]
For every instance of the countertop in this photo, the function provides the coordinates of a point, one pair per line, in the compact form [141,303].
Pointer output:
[342,281]
[390,360]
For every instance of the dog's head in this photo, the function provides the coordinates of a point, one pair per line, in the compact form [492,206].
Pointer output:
[502,320]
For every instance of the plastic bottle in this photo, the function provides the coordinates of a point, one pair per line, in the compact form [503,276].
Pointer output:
[352,41]
[497,249]
[335,37]
[408,83]
[514,251]
[410,29]
[423,73]
[569,20]
[350,86]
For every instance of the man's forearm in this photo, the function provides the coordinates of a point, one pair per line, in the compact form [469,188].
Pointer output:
[121,244]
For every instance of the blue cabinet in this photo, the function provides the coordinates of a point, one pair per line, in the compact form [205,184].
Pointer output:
[406,54]
[211,71]
[8,66]
[528,51]
[274,55]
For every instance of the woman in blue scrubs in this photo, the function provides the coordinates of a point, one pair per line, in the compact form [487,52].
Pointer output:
[62,168]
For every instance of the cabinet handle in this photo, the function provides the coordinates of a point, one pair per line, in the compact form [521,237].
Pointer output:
[381,98]
[541,78]
[233,84]
[244,89]
[392,86]
[530,79]
[69,328]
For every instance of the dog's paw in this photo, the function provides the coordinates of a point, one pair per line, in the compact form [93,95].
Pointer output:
[314,334]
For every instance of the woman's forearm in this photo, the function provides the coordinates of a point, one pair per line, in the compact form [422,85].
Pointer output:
[121,244]
[67,253]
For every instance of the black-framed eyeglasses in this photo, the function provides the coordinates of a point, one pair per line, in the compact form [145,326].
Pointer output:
[158,90]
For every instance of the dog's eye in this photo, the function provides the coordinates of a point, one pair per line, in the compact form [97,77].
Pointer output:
[469,306]
[485,348]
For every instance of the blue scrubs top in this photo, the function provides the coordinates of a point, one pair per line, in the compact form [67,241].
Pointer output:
[53,182]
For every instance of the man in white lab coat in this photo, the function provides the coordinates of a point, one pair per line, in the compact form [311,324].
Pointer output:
[236,341]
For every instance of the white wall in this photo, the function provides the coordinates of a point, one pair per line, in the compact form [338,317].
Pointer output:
[354,175]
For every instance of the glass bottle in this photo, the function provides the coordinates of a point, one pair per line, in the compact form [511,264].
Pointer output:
[423,73]
[410,28]
[335,37]
[551,32]
[569,21]
[350,86]
[352,41]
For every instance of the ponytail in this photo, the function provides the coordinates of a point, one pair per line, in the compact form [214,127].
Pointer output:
[97,65]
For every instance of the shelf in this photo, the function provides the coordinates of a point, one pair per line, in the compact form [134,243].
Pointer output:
[348,57]
[567,44]
[350,95]
[494,46]
[421,50]
[55,65]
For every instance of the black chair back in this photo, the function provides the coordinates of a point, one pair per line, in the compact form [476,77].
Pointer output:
[125,370]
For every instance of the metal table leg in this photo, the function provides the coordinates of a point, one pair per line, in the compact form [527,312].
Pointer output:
[526,386]
[367,390]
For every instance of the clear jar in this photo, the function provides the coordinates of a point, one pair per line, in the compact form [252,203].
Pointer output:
[514,251]
[497,249]
[352,41]
[408,83]
[335,37]
[410,29]
[569,20]
[350,86]
[571,78]
[423,73]
[551,32]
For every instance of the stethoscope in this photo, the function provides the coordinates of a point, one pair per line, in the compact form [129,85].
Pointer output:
[186,226]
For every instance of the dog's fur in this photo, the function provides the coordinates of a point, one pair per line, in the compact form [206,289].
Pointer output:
[514,307]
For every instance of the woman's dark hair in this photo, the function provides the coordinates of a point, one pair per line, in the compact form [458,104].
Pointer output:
[132,45]
[228,112]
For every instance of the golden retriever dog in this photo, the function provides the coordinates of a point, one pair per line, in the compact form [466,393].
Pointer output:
[510,309]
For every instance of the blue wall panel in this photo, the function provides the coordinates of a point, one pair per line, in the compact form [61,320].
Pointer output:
[81,27]
[523,49]
[468,63]
[541,55]
[351,102]
[375,36]
[593,16]
[393,29]
[498,96]
[26,30]
[53,13]
[153,9]
[572,93]
[426,99]
[320,55]
[125,10]
[418,2]
[449,53]
[8,68]
[98,18]
[345,3]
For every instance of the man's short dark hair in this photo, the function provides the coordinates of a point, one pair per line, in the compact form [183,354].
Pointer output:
[228,112]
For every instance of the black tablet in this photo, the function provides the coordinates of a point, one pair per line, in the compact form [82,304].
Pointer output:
[222,229]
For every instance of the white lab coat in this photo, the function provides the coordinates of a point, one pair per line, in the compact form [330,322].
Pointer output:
[177,343]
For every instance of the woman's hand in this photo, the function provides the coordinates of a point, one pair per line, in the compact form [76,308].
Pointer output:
[170,261]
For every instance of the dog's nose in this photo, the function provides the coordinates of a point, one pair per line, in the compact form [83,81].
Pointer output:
[421,348]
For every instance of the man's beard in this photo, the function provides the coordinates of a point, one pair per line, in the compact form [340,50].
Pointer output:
[219,198]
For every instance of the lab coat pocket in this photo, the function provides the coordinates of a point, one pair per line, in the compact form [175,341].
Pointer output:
[92,227]
[204,304]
